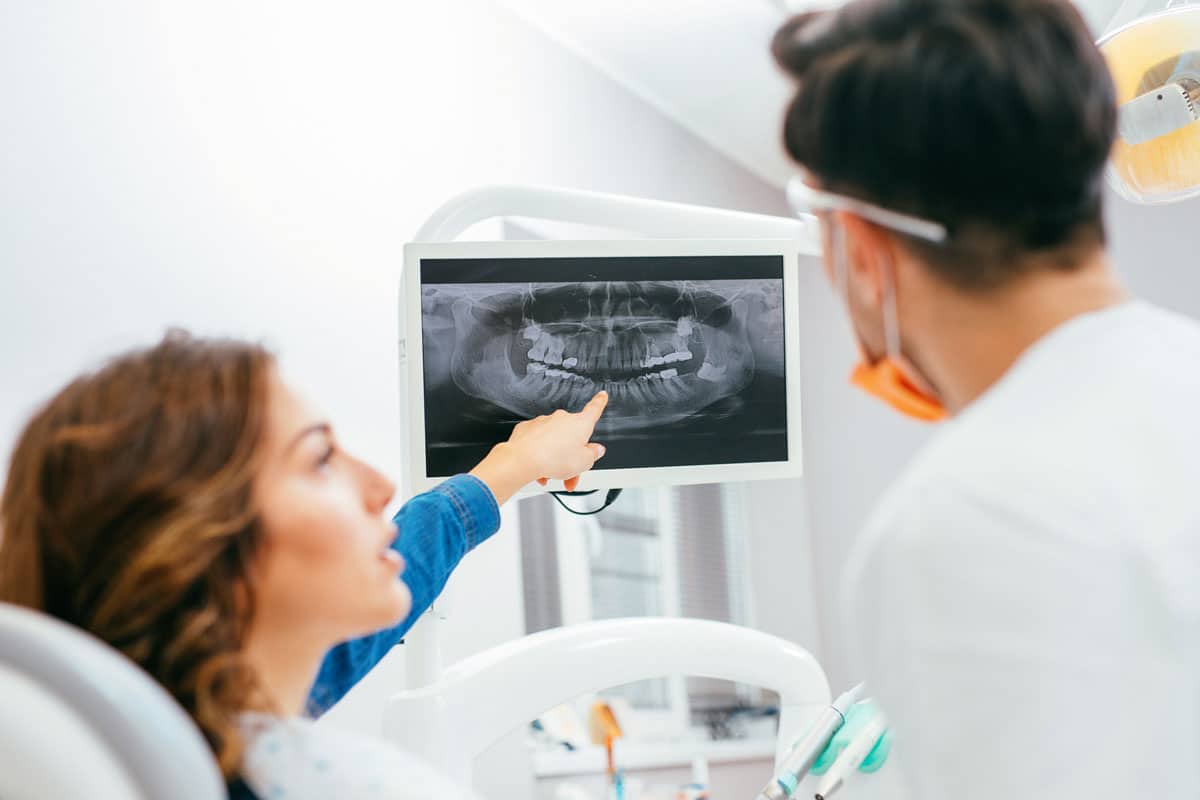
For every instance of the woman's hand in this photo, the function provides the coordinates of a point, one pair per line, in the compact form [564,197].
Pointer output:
[553,447]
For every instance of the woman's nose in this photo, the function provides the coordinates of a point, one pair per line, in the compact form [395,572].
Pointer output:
[386,490]
[378,489]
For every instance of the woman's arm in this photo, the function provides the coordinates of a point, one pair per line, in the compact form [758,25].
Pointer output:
[441,526]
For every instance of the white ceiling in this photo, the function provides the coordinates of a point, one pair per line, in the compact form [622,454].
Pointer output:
[704,63]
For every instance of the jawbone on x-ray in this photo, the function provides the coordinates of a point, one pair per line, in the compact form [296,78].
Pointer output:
[664,351]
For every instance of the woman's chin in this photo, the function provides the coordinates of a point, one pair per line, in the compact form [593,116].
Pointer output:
[401,602]
[387,611]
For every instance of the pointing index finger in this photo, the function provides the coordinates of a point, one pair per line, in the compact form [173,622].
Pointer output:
[595,407]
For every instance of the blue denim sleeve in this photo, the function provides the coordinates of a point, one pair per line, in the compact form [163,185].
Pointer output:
[437,529]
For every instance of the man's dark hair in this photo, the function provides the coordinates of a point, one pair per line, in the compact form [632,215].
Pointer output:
[992,117]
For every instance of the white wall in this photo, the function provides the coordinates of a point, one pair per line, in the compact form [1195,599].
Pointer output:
[254,168]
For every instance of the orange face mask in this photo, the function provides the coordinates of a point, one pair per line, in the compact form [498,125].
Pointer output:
[889,382]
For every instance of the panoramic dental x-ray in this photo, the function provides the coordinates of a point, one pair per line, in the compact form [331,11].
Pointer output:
[690,351]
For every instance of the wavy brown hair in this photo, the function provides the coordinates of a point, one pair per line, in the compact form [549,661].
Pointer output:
[128,512]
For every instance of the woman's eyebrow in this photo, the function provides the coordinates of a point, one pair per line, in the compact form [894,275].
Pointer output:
[319,427]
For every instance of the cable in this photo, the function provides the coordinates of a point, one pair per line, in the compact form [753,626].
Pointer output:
[609,499]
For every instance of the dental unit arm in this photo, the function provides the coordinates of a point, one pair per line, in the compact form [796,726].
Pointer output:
[654,218]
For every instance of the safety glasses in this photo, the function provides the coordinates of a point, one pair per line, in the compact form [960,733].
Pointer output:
[806,200]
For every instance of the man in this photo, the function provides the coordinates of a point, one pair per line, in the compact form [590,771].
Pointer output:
[1025,601]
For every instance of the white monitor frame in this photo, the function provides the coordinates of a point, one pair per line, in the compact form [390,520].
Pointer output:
[412,394]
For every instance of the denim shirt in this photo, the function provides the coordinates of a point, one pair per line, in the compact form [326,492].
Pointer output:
[437,529]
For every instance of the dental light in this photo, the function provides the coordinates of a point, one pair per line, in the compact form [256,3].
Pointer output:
[1155,63]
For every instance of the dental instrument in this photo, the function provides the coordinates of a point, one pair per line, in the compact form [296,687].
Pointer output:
[805,752]
[606,730]
[852,757]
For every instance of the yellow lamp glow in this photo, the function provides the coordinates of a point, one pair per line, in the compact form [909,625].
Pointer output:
[1155,63]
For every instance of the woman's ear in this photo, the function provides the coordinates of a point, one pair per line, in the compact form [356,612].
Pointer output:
[869,260]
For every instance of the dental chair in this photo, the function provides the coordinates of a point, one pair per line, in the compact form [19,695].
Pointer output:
[79,720]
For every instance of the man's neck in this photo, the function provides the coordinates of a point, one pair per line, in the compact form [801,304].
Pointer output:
[971,341]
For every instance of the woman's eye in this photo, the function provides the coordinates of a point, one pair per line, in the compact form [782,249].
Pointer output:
[326,457]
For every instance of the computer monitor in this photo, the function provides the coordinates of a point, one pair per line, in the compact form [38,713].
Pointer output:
[696,343]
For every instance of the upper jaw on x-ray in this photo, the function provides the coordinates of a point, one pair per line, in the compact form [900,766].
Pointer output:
[663,351]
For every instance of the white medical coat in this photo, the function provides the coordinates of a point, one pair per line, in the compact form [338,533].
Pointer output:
[1026,599]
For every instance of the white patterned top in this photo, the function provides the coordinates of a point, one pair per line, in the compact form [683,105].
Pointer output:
[295,759]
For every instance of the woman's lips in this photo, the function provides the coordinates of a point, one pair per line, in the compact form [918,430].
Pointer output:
[392,559]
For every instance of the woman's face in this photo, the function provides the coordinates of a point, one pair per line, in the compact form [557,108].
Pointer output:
[325,567]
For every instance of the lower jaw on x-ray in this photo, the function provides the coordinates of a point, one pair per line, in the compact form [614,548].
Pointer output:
[693,369]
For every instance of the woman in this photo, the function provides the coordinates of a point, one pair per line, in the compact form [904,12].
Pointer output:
[186,506]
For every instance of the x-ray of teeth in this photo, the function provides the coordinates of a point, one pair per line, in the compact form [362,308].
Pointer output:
[693,369]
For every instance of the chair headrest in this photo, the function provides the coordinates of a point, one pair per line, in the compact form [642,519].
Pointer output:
[155,740]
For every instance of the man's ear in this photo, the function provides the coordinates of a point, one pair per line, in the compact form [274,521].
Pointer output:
[869,258]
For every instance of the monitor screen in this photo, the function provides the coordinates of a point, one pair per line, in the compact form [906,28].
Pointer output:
[691,350]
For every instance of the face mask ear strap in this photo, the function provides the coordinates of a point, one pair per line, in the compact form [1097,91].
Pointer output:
[841,266]
[891,316]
